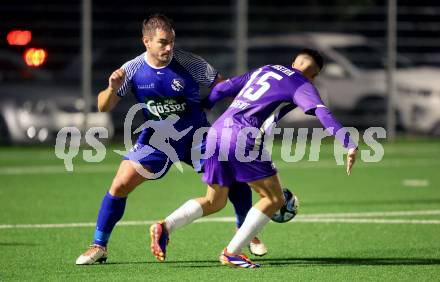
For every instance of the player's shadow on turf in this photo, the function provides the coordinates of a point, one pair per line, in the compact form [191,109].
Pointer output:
[163,262]
[170,263]
[349,261]
[304,262]
[275,262]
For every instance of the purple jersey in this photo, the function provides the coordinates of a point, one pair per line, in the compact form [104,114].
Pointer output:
[265,96]
[262,98]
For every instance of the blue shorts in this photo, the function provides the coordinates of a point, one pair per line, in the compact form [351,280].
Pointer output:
[156,160]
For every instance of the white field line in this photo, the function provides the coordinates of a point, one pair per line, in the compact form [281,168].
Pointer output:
[108,168]
[399,150]
[6,153]
[57,169]
[415,182]
[369,220]
[393,163]
[372,214]
[314,218]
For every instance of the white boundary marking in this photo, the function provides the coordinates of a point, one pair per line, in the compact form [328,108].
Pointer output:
[415,182]
[368,220]
[109,168]
[372,214]
[308,218]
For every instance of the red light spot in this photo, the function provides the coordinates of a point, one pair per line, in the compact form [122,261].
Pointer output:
[19,37]
[35,57]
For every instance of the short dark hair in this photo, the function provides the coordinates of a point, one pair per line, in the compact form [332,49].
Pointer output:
[317,57]
[156,21]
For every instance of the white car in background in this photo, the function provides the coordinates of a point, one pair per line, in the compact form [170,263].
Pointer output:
[34,106]
[353,80]
[418,101]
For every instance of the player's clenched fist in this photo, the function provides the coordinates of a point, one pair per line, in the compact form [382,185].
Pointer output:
[116,79]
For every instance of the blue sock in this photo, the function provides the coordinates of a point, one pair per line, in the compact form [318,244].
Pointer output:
[240,195]
[111,211]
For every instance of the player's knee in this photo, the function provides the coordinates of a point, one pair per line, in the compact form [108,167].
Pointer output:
[121,186]
[218,204]
[223,203]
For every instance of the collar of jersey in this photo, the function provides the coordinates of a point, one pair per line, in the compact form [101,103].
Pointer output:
[156,68]
[300,72]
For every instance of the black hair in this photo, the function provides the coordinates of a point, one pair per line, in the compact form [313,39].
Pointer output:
[317,57]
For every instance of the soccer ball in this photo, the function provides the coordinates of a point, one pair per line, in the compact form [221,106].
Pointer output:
[289,209]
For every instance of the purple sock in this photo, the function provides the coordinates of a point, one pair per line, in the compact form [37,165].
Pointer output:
[111,211]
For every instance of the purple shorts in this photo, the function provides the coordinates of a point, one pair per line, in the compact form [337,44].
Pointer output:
[224,173]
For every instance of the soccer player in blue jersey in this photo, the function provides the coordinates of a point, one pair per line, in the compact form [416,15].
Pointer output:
[167,80]
[262,97]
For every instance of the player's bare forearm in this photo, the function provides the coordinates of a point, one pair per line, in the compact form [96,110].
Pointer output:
[107,100]
[351,159]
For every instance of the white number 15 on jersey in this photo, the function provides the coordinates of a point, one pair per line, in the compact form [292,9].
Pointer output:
[248,91]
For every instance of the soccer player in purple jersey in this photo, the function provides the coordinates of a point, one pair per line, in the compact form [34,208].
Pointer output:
[168,81]
[262,97]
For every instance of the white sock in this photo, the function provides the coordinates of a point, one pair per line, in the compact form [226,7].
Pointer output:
[254,222]
[187,213]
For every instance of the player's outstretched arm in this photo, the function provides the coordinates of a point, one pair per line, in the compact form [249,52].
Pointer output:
[333,126]
[308,99]
[107,99]
[226,88]
[217,80]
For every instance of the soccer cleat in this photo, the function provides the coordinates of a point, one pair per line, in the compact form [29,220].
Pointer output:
[239,261]
[159,240]
[257,248]
[95,253]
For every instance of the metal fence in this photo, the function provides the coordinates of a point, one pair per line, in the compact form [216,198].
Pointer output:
[209,28]
[212,30]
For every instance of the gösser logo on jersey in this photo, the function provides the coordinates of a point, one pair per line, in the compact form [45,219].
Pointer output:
[160,107]
[177,84]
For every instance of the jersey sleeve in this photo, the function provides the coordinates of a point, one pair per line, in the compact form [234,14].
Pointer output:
[201,71]
[307,98]
[130,69]
[333,127]
[228,88]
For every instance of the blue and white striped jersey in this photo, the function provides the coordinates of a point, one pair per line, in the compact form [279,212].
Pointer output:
[173,89]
